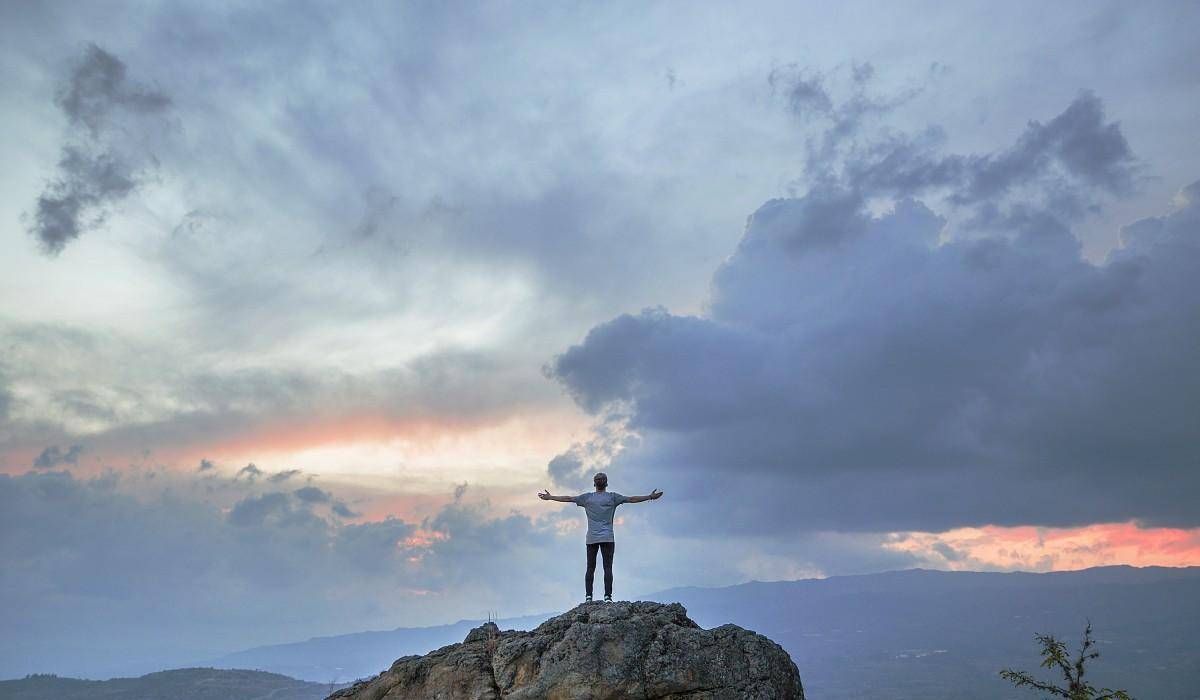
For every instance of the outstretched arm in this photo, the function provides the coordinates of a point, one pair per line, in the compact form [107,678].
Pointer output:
[547,497]
[654,496]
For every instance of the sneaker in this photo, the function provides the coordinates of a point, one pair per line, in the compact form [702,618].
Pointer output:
[607,599]
[587,599]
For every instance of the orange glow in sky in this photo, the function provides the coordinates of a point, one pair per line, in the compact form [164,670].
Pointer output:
[1054,549]
[424,538]
[441,451]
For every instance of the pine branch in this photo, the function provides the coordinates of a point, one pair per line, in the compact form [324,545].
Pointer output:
[1020,679]
[1055,656]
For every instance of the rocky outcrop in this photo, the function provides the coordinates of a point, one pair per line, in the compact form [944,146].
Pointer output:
[595,652]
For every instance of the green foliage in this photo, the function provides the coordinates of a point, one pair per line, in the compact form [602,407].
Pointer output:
[1055,656]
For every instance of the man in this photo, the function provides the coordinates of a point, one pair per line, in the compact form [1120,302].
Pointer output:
[600,506]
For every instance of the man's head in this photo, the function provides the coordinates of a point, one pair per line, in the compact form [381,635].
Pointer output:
[600,480]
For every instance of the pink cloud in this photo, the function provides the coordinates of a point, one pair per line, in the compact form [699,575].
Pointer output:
[1053,549]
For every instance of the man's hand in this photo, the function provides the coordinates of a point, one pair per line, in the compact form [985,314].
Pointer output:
[653,496]
[545,496]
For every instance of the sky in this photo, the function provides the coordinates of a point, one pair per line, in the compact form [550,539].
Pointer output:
[302,304]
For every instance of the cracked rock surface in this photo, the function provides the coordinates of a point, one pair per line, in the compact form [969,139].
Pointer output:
[594,652]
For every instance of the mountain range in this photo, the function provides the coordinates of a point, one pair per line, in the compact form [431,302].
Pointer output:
[904,634]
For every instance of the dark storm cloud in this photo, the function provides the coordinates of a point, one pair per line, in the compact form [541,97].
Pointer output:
[254,510]
[343,510]
[804,90]
[852,373]
[312,494]
[1078,140]
[576,467]
[1057,168]
[471,535]
[283,475]
[53,456]
[250,471]
[281,509]
[809,97]
[85,183]
[1077,152]
[97,167]
[98,87]
[567,468]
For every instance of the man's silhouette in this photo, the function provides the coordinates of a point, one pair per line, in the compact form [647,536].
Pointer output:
[600,506]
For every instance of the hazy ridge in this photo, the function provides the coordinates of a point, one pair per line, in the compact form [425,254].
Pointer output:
[179,684]
[903,634]
[907,634]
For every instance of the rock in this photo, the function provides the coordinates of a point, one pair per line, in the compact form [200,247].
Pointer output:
[595,652]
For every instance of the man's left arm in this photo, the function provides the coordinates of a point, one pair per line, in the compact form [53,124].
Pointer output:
[653,496]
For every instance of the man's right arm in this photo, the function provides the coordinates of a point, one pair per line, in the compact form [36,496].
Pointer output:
[653,496]
[561,499]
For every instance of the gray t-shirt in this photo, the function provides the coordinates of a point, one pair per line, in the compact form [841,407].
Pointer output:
[600,506]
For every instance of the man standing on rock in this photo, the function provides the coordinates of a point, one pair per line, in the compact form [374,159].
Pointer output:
[600,506]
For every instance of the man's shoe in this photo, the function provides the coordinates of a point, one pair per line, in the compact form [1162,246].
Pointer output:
[587,599]
[607,599]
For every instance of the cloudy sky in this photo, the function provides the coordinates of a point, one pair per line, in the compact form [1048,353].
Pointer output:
[301,306]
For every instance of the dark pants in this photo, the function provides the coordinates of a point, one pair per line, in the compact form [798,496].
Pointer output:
[606,548]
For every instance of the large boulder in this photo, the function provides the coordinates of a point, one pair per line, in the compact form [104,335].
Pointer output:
[594,652]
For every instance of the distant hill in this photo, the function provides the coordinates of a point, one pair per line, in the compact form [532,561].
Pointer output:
[351,656]
[906,634]
[937,634]
[180,684]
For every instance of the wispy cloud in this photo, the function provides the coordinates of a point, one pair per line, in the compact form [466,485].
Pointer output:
[53,456]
